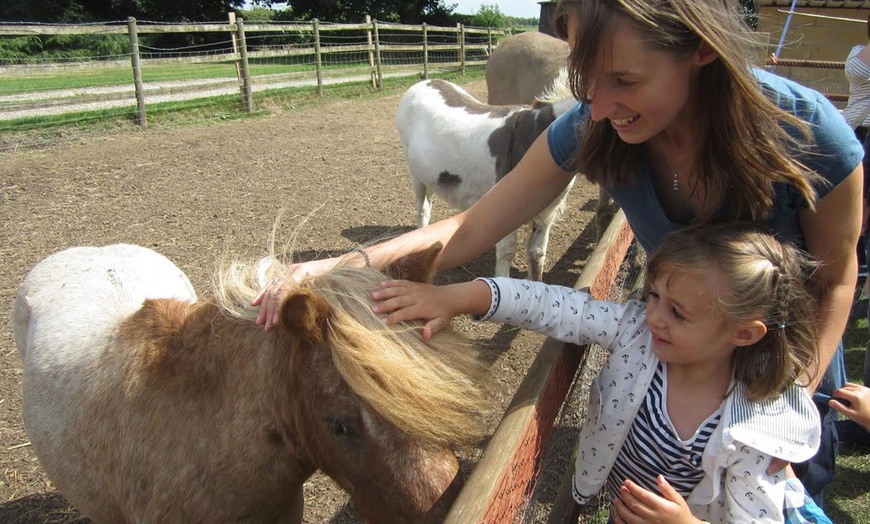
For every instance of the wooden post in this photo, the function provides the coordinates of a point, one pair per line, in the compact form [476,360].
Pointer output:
[231,16]
[318,64]
[459,43]
[425,51]
[378,55]
[461,49]
[137,72]
[488,41]
[243,66]
[371,51]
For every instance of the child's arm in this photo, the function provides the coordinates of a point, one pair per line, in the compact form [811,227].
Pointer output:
[859,399]
[566,314]
[404,300]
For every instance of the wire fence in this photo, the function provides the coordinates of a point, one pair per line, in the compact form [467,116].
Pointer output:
[231,60]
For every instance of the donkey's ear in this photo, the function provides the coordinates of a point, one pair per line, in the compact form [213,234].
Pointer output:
[417,267]
[305,314]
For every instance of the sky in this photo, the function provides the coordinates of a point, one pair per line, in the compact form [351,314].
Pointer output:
[518,8]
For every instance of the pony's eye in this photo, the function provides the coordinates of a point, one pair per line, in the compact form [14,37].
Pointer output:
[337,428]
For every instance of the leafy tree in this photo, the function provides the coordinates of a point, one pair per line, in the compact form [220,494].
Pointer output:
[354,11]
[489,15]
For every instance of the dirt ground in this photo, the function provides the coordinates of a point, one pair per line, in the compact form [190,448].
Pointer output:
[193,193]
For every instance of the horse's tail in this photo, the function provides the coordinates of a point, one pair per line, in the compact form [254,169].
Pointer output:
[21,322]
[558,90]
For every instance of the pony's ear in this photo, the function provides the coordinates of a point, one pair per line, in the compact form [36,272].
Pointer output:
[417,267]
[305,313]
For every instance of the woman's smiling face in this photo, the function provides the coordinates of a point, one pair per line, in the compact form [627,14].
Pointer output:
[642,91]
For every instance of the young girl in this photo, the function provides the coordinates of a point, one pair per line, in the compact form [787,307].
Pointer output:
[703,383]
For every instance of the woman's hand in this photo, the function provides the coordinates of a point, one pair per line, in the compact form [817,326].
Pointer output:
[859,400]
[270,297]
[636,504]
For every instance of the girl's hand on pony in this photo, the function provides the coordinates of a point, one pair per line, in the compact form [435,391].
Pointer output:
[403,300]
[638,505]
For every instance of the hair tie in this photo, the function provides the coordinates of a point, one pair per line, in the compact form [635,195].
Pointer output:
[365,255]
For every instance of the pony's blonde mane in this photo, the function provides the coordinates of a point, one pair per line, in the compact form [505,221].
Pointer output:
[430,389]
[558,90]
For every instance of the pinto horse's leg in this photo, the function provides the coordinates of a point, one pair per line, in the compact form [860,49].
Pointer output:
[603,213]
[423,202]
[504,254]
[536,249]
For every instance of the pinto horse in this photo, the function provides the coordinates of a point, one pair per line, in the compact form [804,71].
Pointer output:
[457,148]
[145,404]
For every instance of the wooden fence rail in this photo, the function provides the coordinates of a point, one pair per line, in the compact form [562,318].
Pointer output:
[242,51]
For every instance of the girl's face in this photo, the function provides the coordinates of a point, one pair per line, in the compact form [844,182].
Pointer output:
[685,324]
[641,91]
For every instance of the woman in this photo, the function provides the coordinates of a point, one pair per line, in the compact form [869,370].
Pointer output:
[858,74]
[680,129]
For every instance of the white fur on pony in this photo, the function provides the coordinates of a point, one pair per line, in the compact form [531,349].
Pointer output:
[79,295]
[458,148]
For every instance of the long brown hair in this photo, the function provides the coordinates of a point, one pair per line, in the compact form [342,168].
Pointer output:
[747,142]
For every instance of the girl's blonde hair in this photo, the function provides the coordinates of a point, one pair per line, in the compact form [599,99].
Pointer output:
[765,280]
[747,141]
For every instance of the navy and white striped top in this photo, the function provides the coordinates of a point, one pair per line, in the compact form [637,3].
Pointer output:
[653,446]
[857,111]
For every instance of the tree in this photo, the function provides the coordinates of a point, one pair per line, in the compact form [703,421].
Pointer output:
[489,15]
[72,11]
[354,11]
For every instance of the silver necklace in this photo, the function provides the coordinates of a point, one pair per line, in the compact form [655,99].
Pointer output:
[674,171]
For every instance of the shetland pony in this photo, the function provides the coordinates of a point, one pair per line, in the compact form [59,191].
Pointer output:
[457,148]
[145,404]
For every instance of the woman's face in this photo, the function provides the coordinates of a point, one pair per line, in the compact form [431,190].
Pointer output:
[640,90]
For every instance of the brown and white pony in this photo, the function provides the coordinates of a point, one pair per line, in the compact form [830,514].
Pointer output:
[145,404]
[457,148]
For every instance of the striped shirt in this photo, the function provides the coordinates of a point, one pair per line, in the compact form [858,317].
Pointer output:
[857,110]
[653,446]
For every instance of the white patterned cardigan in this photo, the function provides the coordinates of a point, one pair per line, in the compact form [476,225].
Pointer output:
[736,487]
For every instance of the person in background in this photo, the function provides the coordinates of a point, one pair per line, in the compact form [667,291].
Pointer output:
[702,385]
[853,402]
[857,115]
[857,70]
[678,126]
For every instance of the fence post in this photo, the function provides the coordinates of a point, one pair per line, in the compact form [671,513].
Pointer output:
[318,64]
[137,72]
[488,41]
[231,16]
[425,51]
[243,66]
[378,55]
[462,49]
[371,52]
[459,43]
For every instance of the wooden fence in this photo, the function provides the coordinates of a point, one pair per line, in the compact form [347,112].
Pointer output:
[466,51]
